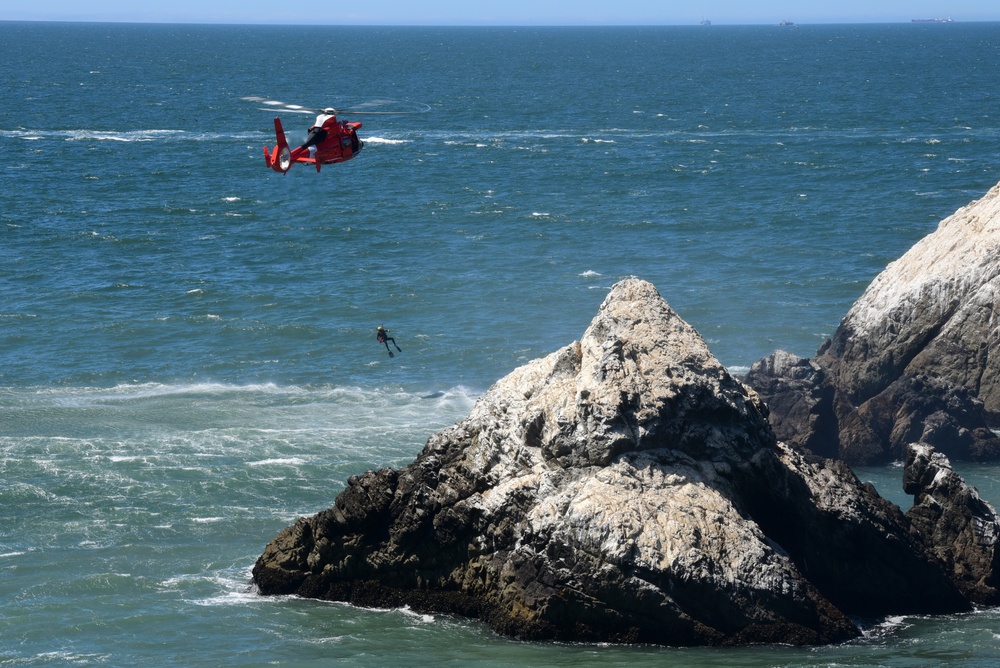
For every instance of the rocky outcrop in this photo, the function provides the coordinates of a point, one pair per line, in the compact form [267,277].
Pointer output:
[954,523]
[626,488]
[917,358]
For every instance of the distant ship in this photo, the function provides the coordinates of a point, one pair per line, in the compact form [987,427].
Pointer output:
[706,22]
[947,20]
[786,23]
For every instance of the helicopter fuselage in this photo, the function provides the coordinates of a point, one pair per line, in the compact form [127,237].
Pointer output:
[335,141]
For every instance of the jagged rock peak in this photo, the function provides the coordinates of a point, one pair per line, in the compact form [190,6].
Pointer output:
[637,368]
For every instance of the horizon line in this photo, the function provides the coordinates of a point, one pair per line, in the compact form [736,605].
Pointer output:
[710,24]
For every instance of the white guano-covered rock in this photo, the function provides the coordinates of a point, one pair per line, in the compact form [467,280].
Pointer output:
[916,359]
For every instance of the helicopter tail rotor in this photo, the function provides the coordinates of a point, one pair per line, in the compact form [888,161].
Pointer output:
[280,160]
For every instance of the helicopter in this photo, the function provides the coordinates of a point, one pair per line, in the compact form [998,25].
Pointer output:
[330,140]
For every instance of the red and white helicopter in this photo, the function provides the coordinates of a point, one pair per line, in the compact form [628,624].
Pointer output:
[330,140]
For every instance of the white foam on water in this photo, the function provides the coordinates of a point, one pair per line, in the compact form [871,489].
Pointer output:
[280,461]
[385,141]
[245,597]
[418,616]
[70,658]
[128,136]
[889,626]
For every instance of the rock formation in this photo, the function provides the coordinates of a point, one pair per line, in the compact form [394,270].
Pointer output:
[917,358]
[954,523]
[626,488]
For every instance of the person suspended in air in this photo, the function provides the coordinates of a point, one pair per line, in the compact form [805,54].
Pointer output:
[382,334]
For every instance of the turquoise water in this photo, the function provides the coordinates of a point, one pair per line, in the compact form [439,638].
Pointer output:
[187,350]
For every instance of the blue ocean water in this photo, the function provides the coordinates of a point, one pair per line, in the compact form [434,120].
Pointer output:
[187,350]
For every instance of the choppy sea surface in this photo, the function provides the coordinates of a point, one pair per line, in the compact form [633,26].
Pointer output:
[187,350]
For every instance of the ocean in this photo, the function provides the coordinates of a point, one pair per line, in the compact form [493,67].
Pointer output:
[188,359]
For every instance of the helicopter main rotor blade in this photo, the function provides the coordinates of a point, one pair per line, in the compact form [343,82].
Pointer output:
[370,108]
[278,104]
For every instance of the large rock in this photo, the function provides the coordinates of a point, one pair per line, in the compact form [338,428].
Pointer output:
[917,358]
[954,523]
[625,488]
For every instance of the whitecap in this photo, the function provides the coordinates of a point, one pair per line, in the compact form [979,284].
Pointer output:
[72,657]
[229,598]
[21,134]
[153,390]
[280,461]
[590,273]
[383,140]
[127,136]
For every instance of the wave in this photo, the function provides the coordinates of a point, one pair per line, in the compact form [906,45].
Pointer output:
[386,141]
[280,461]
[130,393]
[138,422]
[132,136]
[167,136]
[260,449]
[493,138]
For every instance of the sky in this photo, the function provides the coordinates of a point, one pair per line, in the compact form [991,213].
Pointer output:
[498,12]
